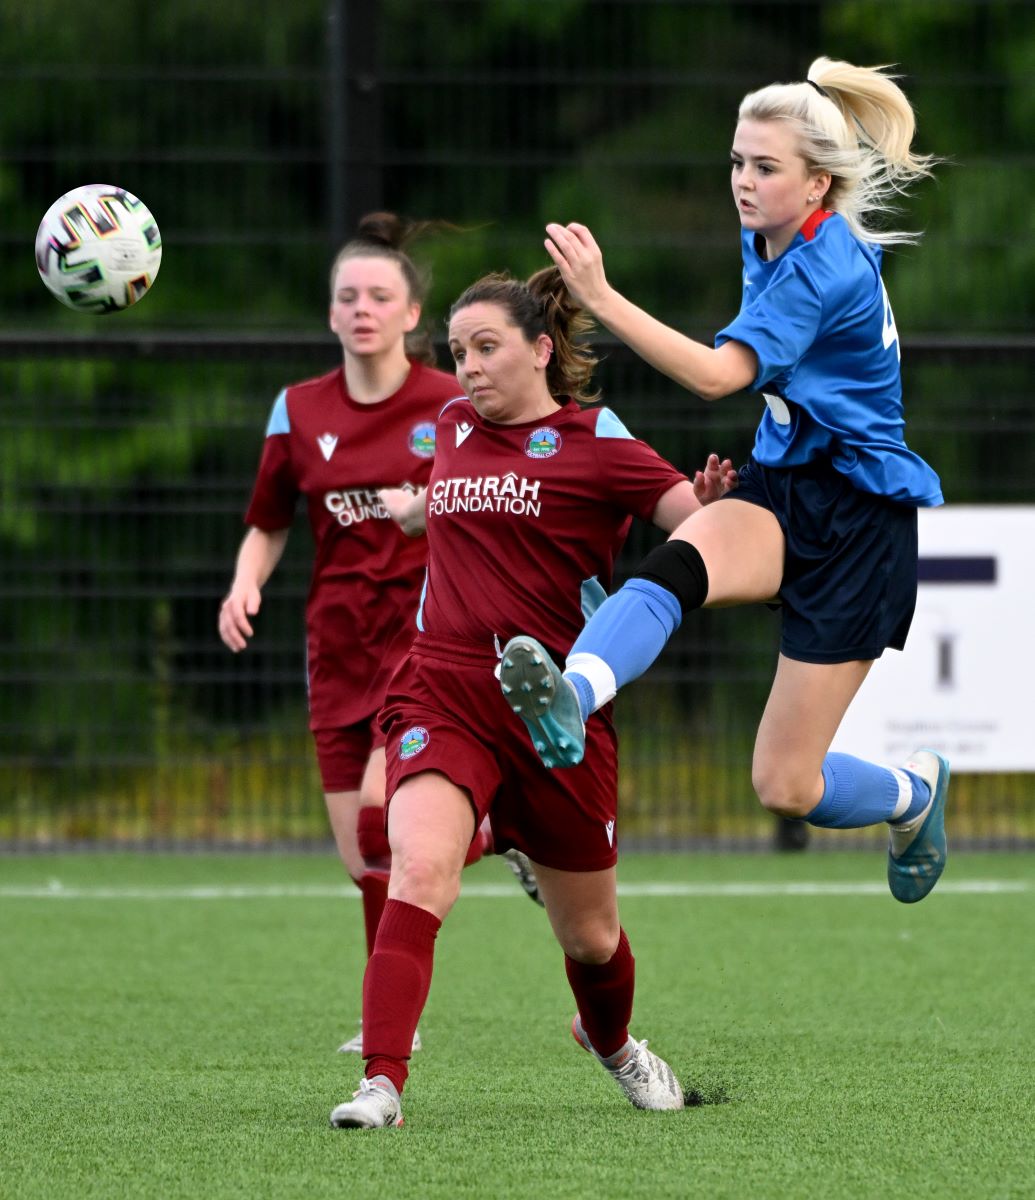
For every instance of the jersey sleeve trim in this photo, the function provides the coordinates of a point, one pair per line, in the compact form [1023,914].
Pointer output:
[279,421]
[449,404]
[609,426]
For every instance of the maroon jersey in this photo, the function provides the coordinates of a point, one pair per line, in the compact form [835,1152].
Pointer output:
[367,575]
[525,521]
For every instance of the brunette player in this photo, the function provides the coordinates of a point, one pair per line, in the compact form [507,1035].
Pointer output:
[335,440]
[529,501]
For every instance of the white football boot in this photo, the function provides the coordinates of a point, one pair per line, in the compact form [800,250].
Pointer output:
[646,1080]
[524,872]
[373,1106]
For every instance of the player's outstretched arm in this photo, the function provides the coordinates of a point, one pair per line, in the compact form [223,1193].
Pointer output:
[407,509]
[259,553]
[711,373]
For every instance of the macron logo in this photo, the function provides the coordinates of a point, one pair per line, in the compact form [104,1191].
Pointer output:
[463,432]
[327,442]
[610,827]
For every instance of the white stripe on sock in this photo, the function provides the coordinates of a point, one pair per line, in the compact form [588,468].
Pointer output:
[599,675]
[905,793]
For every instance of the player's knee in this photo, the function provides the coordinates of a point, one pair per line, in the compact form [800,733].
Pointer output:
[782,792]
[678,567]
[592,944]
[425,879]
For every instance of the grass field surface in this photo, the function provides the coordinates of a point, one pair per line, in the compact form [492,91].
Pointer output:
[169,1026]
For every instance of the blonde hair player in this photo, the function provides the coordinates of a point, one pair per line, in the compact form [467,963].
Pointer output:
[824,517]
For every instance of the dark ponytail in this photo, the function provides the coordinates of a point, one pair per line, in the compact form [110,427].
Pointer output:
[385,235]
[570,372]
[544,305]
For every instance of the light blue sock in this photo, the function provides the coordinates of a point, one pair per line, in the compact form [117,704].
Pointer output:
[858,793]
[584,691]
[627,632]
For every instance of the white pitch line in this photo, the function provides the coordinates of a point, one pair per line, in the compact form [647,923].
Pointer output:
[56,890]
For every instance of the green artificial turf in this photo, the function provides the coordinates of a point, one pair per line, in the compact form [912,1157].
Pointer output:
[159,1041]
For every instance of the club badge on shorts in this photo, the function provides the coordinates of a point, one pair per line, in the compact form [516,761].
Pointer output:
[413,742]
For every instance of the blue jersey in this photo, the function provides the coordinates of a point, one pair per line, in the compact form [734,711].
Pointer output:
[819,320]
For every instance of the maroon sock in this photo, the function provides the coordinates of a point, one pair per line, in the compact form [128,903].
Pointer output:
[481,844]
[377,862]
[374,886]
[396,987]
[604,995]
[372,839]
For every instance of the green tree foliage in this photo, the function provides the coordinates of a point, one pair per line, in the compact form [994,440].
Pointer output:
[969,69]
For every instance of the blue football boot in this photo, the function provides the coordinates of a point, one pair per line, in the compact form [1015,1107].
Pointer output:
[918,850]
[544,700]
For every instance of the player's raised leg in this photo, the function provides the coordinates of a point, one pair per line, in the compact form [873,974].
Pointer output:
[727,552]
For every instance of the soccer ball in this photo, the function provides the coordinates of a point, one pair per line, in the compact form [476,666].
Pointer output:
[98,248]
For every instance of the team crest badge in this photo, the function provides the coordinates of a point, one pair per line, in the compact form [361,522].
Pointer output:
[413,742]
[543,443]
[422,440]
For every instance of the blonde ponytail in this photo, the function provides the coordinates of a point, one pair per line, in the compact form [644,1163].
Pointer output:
[856,124]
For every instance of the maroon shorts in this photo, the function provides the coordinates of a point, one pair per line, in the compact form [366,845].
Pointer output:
[445,712]
[343,753]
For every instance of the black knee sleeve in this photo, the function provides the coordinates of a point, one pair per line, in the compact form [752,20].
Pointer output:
[679,568]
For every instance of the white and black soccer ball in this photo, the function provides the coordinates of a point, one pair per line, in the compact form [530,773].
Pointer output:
[98,248]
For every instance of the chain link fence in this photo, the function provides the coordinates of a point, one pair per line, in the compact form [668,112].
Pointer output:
[123,718]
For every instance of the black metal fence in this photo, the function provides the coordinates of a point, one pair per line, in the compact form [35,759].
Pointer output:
[123,719]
